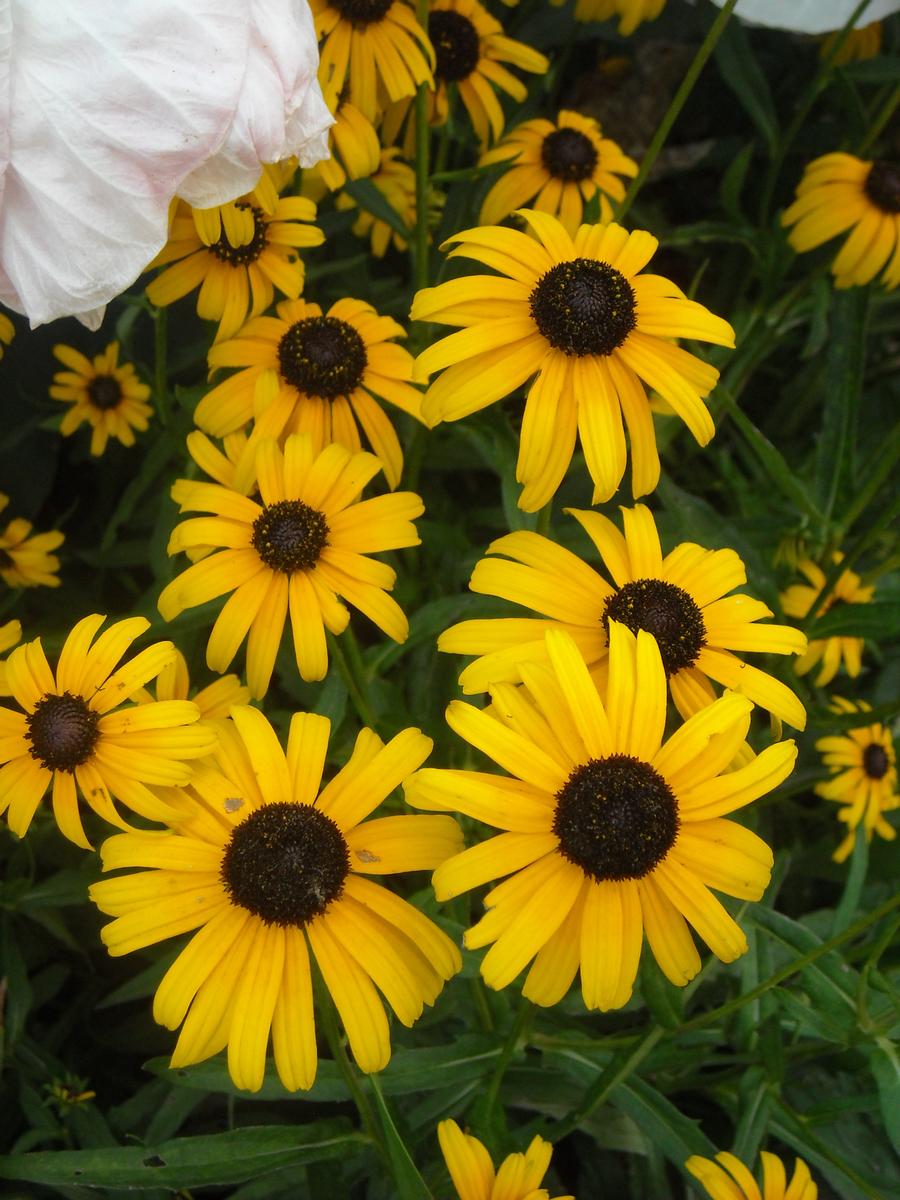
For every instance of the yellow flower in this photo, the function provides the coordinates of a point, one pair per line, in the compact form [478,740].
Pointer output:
[109,397]
[858,44]
[518,1177]
[863,766]
[355,150]
[10,634]
[306,372]
[609,831]
[470,47]
[577,312]
[800,598]
[235,281]
[7,331]
[78,733]
[25,560]
[375,49]
[174,683]
[560,166]
[298,552]
[839,192]
[396,181]
[682,599]
[630,12]
[267,867]
[736,1183]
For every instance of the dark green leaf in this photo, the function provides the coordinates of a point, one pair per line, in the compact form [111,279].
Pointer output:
[886,1069]
[676,1135]
[369,197]
[879,621]
[410,1184]
[733,180]
[845,362]
[740,70]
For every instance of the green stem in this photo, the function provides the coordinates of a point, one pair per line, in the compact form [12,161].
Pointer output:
[678,102]
[420,254]
[878,122]
[160,365]
[328,1017]
[513,1038]
[349,664]
[543,519]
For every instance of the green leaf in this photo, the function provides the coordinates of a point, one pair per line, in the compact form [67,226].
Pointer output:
[856,877]
[733,181]
[845,362]
[740,70]
[663,999]
[410,1184]
[878,621]
[885,1067]
[219,1159]
[884,69]
[369,197]
[677,1136]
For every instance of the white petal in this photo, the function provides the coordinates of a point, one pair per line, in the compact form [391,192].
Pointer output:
[810,16]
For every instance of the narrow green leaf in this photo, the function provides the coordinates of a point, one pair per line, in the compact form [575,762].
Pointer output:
[886,1068]
[856,877]
[845,362]
[677,1136]
[733,181]
[738,66]
[884,69]
[369,197]
[879,621]
[410,1184]
[220,1159]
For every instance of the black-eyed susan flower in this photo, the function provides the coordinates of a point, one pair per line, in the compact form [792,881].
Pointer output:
[630,12]
[104,393]
[470,49]
[561,166]
[317,373]
[518,1177]
[174,683]
[372,51]
[355,149]
[577,313]
[858,44]
[80,734]
[299,552]
[681,598]
[236,281]
[863,766]
[10,635]
[839,192]
[728,1179]
[268,867]
[396,180]
[7,332]
[25,558]
[609,832]
[799,599]
[235,222]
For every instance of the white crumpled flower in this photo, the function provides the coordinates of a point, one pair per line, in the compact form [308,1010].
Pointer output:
[810,16]
[108,109]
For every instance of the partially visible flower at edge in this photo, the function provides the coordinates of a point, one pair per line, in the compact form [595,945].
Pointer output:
[863,765]
[396,180]
[518,1177]
[104,393]
[630,12]
[25,558]
[10,634]
[7,331]
[859,44]
[799,599]
[728,1179]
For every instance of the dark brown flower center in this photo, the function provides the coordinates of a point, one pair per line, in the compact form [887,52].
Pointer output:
[322,356]
[584,307]
[285,863]
[882,185]
[242,256]
[875,761]
[62,731]
[616,818]
[362,12]
[456,45]
[666,611]
[289,536]
[105,391]
[568,154]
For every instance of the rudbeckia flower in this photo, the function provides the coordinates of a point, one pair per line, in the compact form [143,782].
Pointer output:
[7,332]
[859,44]
[174,683]
[840,192]
[396,180]
[518,1177]
[25,558]
[577,312]
[298,552]
[863,766]
[609,831]
[682,599]
[728,1179]
[561,166]
[798,600]
[268,866]
[354,145]
[630,12]
[317,373]
[113,110]
[10,634]
[237,281]
[80,734]
[103,393]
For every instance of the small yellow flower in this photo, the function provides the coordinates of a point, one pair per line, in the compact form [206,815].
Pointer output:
[25,559]
[630,12]
[799,599]
[103,393]
[518,1177]
[863,766]
[732,1181]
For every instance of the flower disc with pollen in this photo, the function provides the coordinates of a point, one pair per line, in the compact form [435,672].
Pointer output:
[322,356]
